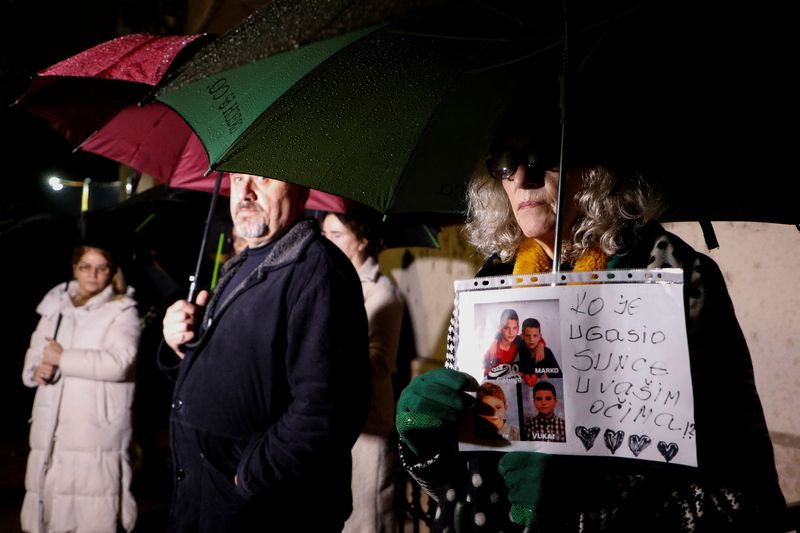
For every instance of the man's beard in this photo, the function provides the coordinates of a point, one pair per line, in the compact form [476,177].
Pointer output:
[251,228]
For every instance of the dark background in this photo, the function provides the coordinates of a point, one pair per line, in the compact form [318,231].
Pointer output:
[729,99]
[38,227]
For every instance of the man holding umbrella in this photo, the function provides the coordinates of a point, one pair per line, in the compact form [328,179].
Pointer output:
[272,375]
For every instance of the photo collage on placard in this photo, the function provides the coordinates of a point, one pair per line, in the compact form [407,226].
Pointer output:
[520,396]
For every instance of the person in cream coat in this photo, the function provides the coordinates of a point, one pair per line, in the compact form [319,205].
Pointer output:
[374,455]
[82,359]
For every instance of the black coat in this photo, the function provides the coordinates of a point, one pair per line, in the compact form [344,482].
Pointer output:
[735,486]
[275,392]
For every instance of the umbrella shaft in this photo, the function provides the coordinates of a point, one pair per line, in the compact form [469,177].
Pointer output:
[211,208]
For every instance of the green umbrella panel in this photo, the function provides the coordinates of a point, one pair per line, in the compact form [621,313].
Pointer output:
[393,116]
[222,107]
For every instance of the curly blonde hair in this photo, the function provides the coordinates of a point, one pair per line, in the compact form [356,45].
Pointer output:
[613,205]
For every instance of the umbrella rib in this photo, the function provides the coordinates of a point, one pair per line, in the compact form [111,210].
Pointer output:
[130,52]
[560,41]
[419,138]
[462,37]
[516,59]
[212,164]
[210,167]
[607,22]
[524,57]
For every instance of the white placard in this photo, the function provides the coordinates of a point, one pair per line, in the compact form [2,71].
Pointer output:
[625,388]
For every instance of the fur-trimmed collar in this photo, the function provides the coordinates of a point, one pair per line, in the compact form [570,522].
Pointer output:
[286,249]
[532,259]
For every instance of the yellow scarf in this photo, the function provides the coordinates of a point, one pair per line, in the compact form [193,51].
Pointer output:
[532,259]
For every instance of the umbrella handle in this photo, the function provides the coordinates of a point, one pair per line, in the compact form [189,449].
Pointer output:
[211,208]
[58,320]
[58,325]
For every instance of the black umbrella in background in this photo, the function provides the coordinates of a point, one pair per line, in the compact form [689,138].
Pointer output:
[155,236]
[697,96]
[159,232]
[686,93]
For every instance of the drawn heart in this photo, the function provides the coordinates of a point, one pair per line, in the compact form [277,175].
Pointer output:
[667,450]
[613,439]
[587,435]
[637,443]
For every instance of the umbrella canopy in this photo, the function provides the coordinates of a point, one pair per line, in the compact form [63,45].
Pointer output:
[397,115]
[376,115]
[161,230]
[81,93]
[695,95]
[283,25]
[154,140]
[395,234]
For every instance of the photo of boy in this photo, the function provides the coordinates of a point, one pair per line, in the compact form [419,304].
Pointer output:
[502,350]
[492,414]
[546,426]
[538,359]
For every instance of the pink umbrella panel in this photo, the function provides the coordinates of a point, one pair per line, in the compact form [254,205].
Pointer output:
[80,94]
[154,140]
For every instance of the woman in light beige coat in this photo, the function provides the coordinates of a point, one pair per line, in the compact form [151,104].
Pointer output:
[81,359]
[373,453]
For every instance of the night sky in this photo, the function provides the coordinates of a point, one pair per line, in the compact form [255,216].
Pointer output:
[728,148]
[36,224]
[36,35]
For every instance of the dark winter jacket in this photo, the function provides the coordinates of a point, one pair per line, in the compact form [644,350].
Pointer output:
[735,486]
[274,392]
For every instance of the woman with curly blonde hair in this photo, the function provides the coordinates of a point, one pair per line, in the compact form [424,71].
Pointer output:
[608,213]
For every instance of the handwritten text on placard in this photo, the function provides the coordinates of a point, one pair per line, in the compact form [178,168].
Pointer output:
[625,386]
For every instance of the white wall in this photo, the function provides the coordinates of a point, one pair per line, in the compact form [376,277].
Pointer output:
[758,261]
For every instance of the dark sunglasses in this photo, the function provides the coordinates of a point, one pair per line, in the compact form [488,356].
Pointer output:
[502,164]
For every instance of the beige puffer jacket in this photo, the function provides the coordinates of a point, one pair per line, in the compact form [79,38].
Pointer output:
[78,473]
[384,304]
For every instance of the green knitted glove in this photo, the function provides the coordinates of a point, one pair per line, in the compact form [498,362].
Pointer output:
[524,473]
[430,408]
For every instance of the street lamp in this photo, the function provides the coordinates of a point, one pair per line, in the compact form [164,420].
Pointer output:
[86,185]
[58,184]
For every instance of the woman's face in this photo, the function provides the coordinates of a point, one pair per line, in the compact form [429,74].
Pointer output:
[92,272]
[340,235]
[534,203]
